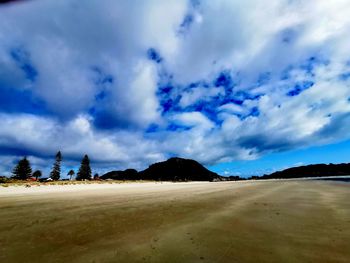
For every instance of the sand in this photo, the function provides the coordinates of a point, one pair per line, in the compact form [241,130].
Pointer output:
[255,221]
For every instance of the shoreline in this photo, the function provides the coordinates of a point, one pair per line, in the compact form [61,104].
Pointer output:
[11,189]
[15,190]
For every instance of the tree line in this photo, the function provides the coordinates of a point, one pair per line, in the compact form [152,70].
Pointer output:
[23,170]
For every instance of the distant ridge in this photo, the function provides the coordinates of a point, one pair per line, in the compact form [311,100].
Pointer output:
[313,170]
[173,169]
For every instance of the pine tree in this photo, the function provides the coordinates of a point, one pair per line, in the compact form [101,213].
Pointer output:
[22,170]
[37,174]
[56,169]
[96,176]
[84,172]
[71,173]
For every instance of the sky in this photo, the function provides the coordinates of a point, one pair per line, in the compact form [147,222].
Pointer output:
[243,87]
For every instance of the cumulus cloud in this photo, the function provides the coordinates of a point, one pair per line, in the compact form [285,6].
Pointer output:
[131,83]
[42,137]
[68,40]
[200,93]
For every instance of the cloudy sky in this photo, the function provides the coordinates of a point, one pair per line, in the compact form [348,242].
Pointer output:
[243,87]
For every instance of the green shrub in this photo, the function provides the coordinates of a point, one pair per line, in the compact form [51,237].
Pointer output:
[3,180]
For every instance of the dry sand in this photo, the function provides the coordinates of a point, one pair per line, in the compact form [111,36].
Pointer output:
[262,221]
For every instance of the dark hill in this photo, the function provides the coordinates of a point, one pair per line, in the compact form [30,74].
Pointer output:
[174,169]
[314,170]
[178,169]
[128,174]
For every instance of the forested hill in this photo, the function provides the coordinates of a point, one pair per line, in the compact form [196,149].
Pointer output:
[314,170]
[174,169]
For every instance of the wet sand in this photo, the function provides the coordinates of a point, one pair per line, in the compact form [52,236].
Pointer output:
[255,221]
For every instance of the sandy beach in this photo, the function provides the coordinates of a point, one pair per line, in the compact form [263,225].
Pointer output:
[255,221]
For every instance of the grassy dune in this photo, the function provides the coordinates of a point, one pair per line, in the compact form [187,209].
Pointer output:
[265,221]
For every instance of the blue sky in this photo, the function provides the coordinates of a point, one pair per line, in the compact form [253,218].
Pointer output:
[332,153]
[243,87]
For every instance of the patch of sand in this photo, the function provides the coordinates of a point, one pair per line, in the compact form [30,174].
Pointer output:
[262,221]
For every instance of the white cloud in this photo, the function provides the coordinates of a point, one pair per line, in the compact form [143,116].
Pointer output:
[43,137]
[76,46]
[69,38]
[200,93]
[195,119]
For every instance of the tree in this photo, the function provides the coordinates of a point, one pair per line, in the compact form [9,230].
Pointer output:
[37,174]
[22,170]
[84,172]
[96,176]
[56,169]
[71,173]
